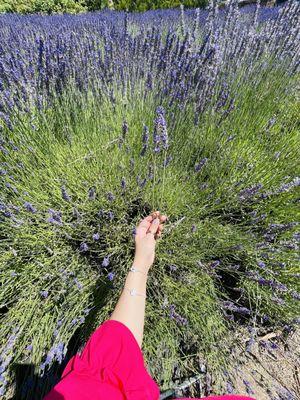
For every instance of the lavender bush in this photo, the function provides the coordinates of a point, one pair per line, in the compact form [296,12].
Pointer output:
[107,116]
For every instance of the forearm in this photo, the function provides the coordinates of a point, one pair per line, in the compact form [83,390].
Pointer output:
[130,310]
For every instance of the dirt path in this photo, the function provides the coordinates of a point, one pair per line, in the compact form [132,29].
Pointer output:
[271,366]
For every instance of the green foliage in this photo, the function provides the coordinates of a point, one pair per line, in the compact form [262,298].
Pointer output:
[76,6]
[43,6]
[75,143]
[143,5]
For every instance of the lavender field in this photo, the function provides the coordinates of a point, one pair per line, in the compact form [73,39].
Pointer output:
[107,116]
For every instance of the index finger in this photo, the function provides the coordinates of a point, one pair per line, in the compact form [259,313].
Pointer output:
[144,225]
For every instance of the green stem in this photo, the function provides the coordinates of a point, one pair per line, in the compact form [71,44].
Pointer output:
[163,183]
[154,179]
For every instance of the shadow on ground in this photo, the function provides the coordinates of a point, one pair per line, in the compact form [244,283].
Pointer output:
[31,386]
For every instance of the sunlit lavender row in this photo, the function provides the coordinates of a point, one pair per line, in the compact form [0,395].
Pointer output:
[191,57]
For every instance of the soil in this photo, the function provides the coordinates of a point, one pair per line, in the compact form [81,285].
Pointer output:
[273,373]
[268,370]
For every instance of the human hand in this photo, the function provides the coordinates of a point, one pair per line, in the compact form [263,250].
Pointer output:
[147,232]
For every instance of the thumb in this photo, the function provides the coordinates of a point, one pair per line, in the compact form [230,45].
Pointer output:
[154,226]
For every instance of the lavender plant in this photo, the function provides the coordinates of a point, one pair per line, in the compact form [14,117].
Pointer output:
[107,116]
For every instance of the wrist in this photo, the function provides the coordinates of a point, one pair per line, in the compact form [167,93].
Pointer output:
[141,264]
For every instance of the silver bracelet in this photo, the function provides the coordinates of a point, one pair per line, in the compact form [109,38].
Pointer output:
[133,269]
[133,292]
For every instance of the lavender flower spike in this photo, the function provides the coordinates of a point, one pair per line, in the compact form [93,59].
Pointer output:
[64,194]
[123,183]
[124,129]
[92,193]
[199,165]
[55,217]
[160,134]
[105,262]
[249,192]
[96,236]
[83,247]
[29,207]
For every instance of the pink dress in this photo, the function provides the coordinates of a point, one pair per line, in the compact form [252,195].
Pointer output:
[111,366]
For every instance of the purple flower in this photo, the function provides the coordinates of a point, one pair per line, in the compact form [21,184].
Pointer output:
[96,236]
[228,305]
[124,129]
[167,161]
[143,151]
[248,387]
[250,343]
[178,318]
[7,214]
[247,193]
[194,228]
[278,300]
[141,182]
[277,155]
[229,387]
[78,284]
[83,247]
[110,215]
[92,193]
[123,183]
[55,217]
[203,186]
[280,286]
[44,293]
[172,267]
[296,236]
[131,163]
[215,264]
[231,137]
[160,134]
[261,264]
[64,194]
[5,151]
[87,310]
[29,347]
[145,138]
[111,276]
[281,264]
[110,196]
[58,351]
[288,186]
[233,267]
[200,164]
[295,295]
[105,262]
[101,213]
[29,207]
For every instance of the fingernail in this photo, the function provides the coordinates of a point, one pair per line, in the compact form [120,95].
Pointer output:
[156,221]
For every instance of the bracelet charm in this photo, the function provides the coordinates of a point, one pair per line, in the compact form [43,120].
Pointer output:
[133,292]
[133,269]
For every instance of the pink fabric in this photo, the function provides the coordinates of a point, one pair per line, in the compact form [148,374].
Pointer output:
[111,366]
[224,397]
